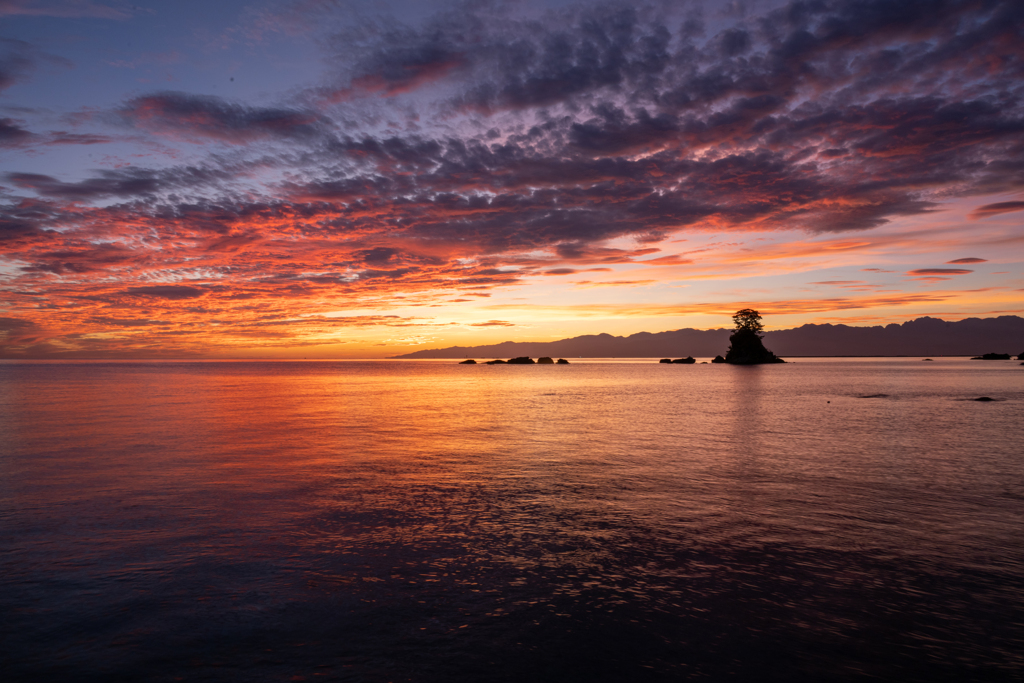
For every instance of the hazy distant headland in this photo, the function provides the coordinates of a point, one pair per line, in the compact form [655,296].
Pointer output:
[921,337]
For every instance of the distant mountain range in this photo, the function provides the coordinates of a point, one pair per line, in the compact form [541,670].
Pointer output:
[921,337]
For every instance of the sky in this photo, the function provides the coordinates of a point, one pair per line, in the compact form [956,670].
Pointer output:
[356,179]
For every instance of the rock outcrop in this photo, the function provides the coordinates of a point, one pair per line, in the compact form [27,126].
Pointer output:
[746,348]
[689,360]
[522,360]
[468,362]
[545,360]
[495,362]
[993,356]
[717,359]
[562,361]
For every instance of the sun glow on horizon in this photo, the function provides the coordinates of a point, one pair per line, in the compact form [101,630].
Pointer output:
[354,192]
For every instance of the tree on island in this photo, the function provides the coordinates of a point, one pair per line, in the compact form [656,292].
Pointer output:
[745,345]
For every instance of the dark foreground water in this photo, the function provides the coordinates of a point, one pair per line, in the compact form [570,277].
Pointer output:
[822,520]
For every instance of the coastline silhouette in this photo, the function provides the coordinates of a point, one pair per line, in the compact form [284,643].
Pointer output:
[930,337]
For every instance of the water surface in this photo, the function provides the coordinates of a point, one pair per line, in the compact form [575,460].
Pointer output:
[429,521]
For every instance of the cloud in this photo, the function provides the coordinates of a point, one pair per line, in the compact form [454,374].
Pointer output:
[609,48]
[61,8]
[939,271]
[172,292]
[203,117]
[838,282]
[126,322]
[16,59]
[61,137]
[19,59]
[587,284]
[727,308]
[12,324]
[968,260]
[616,133]
[506,61]
[86,259]
[15,332]
[377,255]
[123,183]
[514,142]
[494,323]
[110,183]
[11,133]
[27,222]
[996,209]
[406,61]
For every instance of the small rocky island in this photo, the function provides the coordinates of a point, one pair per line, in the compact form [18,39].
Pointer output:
[522,360]
[745,345]
[681,361]
[993,356]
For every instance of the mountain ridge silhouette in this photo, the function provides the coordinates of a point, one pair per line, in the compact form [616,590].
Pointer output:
[925,336]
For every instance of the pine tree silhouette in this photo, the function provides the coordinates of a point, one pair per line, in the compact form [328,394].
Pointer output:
[745,345]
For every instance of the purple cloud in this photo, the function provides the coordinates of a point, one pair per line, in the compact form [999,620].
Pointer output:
[198,117]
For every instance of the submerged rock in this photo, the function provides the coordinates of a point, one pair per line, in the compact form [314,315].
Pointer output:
[983,398]
[522,360]
[562,361]
[468,362]
[993,356]
[545,361]
[926,359]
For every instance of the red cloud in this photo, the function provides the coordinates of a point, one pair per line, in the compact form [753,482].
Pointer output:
[318,211]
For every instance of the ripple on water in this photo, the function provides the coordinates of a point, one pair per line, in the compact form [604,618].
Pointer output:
[411,521]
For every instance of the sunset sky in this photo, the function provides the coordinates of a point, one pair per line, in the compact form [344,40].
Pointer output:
[338,179]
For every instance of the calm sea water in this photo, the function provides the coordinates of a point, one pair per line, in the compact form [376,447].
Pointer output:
[429,521]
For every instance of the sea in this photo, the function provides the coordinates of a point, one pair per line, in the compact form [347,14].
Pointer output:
[606,520]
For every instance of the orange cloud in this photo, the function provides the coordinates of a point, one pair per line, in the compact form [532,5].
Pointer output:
[640,310]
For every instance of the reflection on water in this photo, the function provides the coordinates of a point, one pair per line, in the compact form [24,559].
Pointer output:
[430,521]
